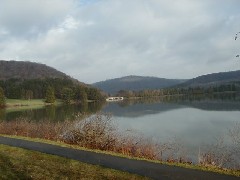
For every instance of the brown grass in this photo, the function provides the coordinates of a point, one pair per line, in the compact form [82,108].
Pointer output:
[24,127]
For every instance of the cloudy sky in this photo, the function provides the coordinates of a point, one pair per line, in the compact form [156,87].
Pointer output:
[94,40]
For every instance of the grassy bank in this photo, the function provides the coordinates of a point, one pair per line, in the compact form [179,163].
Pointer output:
[17,163]
[13,104]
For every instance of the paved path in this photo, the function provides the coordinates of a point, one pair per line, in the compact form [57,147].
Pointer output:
[144,168]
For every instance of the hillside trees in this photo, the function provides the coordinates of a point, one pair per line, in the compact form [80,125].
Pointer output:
[28,70]
[67,95]
[27,94]
[233,87]
[39,88]
[34,88]
[80,94]
[2,98]
[94,94]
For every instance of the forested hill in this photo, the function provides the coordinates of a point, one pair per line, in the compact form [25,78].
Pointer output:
[135,83]
[28,70]
[29,80]
[214,79]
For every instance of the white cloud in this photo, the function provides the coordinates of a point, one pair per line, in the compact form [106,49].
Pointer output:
[101,39]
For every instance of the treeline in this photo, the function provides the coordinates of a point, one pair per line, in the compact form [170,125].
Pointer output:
[234,87]
[50,88]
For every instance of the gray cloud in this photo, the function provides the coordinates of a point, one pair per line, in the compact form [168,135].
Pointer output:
[102,39]
[30,17]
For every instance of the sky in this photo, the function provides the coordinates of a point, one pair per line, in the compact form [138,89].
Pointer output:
[95,40]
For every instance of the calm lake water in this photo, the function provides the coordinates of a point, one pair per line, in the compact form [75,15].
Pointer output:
[194,121]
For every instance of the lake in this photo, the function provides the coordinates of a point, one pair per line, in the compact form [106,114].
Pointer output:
[193,121]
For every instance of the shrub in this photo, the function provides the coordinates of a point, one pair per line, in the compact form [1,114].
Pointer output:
[96,132]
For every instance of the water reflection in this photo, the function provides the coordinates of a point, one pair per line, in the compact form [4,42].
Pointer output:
[143,107]
[135,108]
[53,113]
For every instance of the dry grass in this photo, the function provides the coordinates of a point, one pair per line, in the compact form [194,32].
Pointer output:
[23,127]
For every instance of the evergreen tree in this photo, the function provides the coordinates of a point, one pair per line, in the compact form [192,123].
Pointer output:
[50,95]
[2,98]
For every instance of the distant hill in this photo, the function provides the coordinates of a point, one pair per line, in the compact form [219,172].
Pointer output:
[29,70]
[135,83]
[214,79]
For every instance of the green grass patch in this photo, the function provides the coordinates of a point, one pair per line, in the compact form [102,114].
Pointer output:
[189,166]
[17,163]
[22,104]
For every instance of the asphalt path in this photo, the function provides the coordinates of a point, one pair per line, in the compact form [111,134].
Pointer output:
[143,168]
